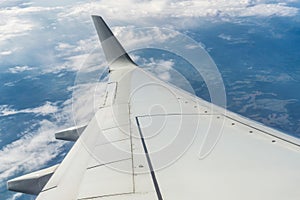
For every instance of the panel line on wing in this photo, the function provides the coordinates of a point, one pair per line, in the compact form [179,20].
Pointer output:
[181,114]
[103,196]
[108,163]
[155,182]
[49,189]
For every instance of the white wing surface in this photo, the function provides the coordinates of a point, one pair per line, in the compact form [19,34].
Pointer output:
[151,140]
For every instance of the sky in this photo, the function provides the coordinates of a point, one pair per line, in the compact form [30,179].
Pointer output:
[49,53]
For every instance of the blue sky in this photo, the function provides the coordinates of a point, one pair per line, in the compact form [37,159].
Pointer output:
[49,52]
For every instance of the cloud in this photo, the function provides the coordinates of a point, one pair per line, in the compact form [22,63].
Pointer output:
[30,152]
[164,70]
[83,46]
[9,84]
[19,69]
[45,109]
[61,46]
[17,21]
[87,55]
[135,38]
[232,40]
[161,68]
[5,53]
[86,100]
[13,26]
[35,149]
[83,55]
[68,52]
[225,37]
[180,11]
[265,10]
[15,196]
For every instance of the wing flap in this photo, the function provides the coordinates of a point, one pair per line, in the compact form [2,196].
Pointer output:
[106,180]
[70,134]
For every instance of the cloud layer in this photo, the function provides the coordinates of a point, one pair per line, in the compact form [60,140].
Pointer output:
[131,10]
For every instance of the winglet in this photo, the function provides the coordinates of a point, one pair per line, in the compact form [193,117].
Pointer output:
[115,54]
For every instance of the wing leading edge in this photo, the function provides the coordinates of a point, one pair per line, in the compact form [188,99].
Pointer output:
[144,144]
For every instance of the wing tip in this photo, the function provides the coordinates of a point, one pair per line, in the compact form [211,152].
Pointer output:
[94,17]
[102,28]
[112,48]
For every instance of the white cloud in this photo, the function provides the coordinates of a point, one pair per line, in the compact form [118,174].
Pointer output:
[45,109]
[19,69]
[61,46]
[17,21]
[9,84]
[225,37]
[36,149]
[82,46]
[175,11]
[30,152]
[265,10]
[15,196]
[87,98]
[232,40]
[5,53]
[161,68]
[83,55]
[13,26]
[135,38]
[17,11]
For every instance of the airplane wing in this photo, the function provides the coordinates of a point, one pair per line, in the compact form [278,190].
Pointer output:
[147,142]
